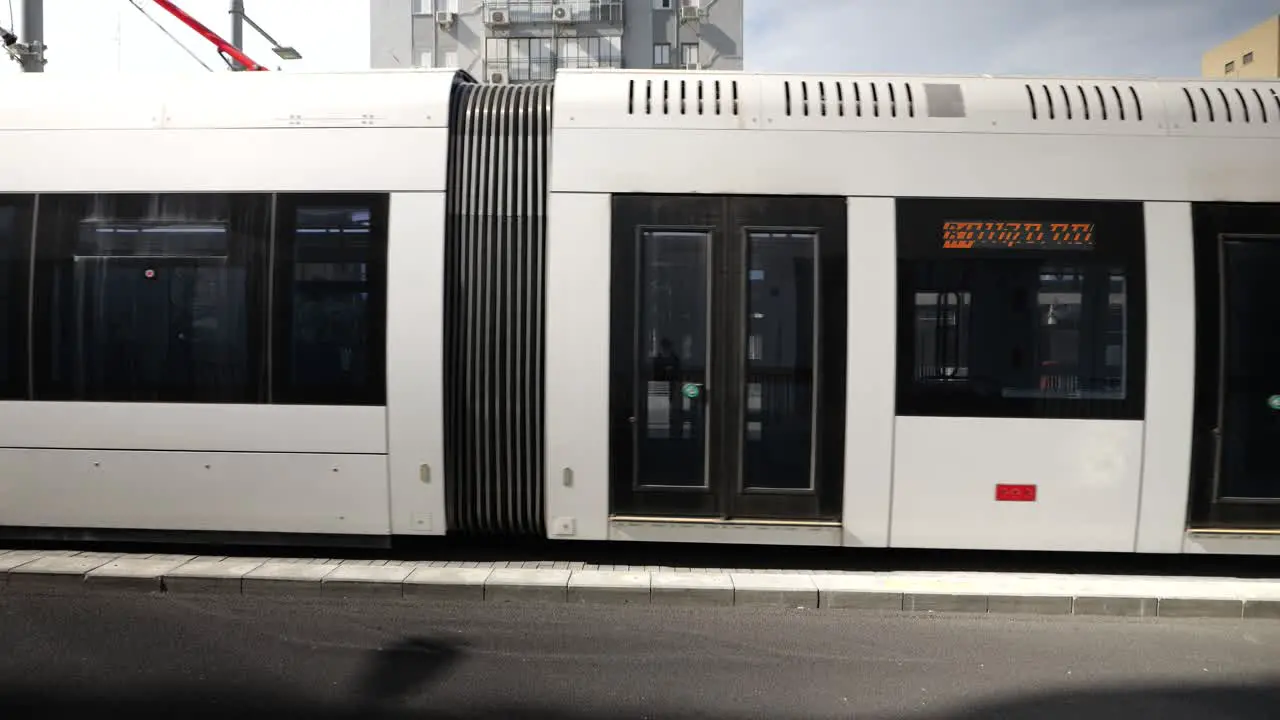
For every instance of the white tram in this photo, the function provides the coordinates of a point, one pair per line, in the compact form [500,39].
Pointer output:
[985,313]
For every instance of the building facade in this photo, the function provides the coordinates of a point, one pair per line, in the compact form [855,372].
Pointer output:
[1255,53]
[526,40]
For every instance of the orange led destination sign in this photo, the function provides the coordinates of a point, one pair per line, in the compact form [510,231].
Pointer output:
[970,234]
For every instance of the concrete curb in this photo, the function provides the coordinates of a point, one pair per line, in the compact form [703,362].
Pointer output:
[983,593]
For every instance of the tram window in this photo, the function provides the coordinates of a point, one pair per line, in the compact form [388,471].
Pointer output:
[15,243]
[151,298]
[998,322]
[330,299]
[942,323]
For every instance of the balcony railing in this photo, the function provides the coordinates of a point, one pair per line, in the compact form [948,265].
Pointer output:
[529,12]
[543,69]
[587,63]
[520,70]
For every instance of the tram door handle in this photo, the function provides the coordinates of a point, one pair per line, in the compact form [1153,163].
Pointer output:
[694,391]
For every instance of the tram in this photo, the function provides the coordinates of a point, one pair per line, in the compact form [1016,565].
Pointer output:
[843,310]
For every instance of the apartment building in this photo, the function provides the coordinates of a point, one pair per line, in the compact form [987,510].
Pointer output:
[1253,54]
[526,40]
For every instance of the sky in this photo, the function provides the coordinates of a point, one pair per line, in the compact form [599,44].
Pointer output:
[925,37]
[996,37]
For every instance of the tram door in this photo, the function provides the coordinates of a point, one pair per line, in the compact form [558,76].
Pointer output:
[1243,242]
[728,357]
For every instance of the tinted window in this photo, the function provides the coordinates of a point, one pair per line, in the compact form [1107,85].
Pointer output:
[330,300]
[1020,309]
[782,326]
[15,243]
[151,298]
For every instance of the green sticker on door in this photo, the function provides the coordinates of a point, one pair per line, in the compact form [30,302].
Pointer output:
[1273,402]
[691,390]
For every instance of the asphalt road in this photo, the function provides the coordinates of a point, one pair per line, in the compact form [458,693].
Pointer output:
[239,657]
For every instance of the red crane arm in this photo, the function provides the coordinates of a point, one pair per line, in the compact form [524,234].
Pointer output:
[224,48]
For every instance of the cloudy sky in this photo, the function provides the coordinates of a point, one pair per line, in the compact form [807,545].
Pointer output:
[1055,37]
[1023,37]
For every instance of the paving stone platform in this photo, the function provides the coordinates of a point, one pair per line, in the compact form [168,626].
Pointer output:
[565,582]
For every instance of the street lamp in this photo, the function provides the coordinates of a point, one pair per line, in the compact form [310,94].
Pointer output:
[285,52]
[238,16]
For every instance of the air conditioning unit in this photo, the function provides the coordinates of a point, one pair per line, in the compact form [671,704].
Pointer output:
[562,14]
[445,18]
[690,13]
[692,66]
[496,17]
[498,77]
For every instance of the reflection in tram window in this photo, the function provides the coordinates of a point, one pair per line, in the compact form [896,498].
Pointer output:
[330,285]
[1020,331]
[13,219]
[1249,422]
[149,297]
[1081,347]
[942,336]
[1014,329]
[673,332]
[781,359]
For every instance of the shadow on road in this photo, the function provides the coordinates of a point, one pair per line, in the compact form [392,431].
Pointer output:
[1180,702]
[406,671]
[409,666]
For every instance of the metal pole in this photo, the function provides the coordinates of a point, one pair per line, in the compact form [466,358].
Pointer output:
[33,35]
[237,25]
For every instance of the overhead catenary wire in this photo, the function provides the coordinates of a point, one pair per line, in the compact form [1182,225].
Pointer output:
[165,30]
[9,36]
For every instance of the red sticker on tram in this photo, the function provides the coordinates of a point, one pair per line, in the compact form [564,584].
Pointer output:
[1015,493]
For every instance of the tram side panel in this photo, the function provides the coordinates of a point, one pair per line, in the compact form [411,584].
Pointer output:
[986,396]
[684,294]
[1218,257]
[578,381]
[1171,368]
[170,390]
[415,363]
[1020,374]
[1039,400]
[207,315]
[872,353]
